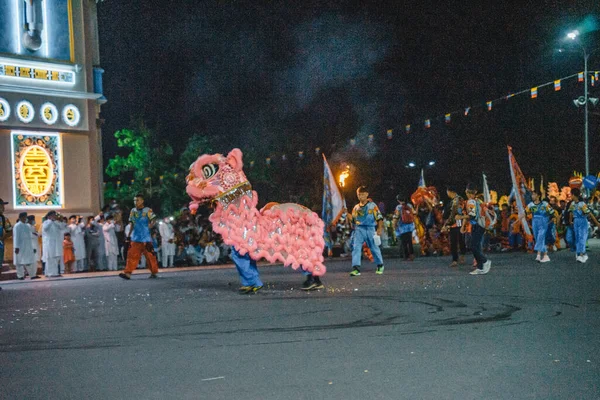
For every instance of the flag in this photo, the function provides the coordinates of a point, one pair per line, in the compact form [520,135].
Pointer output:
[389,133]
[542,188]
[508,96]
[407,128]
[487,198]
[596,74]
[557,85]
[593,80]
[317,150]
[489,105]
[534,92]
[580,77]
[352,142]
[268,160]
[371,138]
[300,154]
[427,123]
[467,111]
[422,180]
[447,118]
[519,190]
[333,203]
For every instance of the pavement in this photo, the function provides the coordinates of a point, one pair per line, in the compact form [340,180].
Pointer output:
[420,331]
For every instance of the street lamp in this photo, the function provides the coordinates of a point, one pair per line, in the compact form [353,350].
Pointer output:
[412,164]
[574,36]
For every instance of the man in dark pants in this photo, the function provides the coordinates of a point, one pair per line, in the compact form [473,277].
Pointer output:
[404,225]
[475,218]
[453,223]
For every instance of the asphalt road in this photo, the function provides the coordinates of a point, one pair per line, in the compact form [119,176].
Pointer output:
[420,331]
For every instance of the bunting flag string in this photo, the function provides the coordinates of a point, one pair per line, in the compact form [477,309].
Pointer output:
[427,123]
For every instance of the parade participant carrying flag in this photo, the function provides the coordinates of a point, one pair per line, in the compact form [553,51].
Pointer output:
[519,185]
[333,204]
[422,180]
[487,198]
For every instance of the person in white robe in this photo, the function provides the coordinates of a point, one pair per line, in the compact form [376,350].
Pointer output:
[111,243]
[35,241]
[52,244]
[62,221]
[23,251]
[77,231]
[167,238]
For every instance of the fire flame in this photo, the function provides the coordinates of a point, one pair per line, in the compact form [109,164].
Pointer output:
[343,176]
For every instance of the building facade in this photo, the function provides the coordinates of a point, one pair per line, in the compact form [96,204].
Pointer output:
[50,99]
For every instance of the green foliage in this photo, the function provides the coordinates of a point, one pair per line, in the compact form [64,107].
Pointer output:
[150,167]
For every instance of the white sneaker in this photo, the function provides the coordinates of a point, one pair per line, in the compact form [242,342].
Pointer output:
[554,248]
[477,271]
[538,258]
[487,266]
[545,259]
[579,259]
[584,258]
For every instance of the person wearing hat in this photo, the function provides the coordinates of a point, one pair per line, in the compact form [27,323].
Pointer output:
[52,244]
[5,230]
[453,224]
[23,251]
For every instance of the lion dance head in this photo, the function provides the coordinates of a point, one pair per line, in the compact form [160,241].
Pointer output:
[213,175]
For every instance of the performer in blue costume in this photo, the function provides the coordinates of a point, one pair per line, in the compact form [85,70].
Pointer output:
[367,221]
[541,212]
[579,214]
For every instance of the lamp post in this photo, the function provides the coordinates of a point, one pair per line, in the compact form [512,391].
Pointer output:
[574,35]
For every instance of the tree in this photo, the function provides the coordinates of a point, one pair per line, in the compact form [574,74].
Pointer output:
[143,169]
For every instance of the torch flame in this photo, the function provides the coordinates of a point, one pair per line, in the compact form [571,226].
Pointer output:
[343,177]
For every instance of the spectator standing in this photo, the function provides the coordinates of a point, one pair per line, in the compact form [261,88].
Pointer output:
[52,244]
[77,231]
[110,242]
[24,253]
[167,238]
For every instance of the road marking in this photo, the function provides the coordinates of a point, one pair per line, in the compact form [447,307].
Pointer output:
[212,379]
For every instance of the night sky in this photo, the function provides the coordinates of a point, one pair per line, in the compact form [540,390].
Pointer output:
[290,76]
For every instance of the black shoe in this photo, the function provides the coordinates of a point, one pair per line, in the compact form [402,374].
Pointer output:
[309,284]
[318,283]
[21,279]
[35,277]
[153,276]
[124,276]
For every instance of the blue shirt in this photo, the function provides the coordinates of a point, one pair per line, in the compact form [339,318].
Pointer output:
[366,215]
[141,224]
[402,227]
[579,210]
[542,209]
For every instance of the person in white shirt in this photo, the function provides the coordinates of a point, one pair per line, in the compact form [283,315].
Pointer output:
[167,238]
[77,231]
[111,244]
[52,244]
[24,254]
[35,241]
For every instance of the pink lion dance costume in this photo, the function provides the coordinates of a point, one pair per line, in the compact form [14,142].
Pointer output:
[287,233]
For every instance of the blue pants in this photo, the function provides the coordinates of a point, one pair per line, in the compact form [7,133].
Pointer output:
[580,227]
[551,234]
[476,243]
[246,267]
[570,238]
[365,235]
[515,240]
[540,227]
